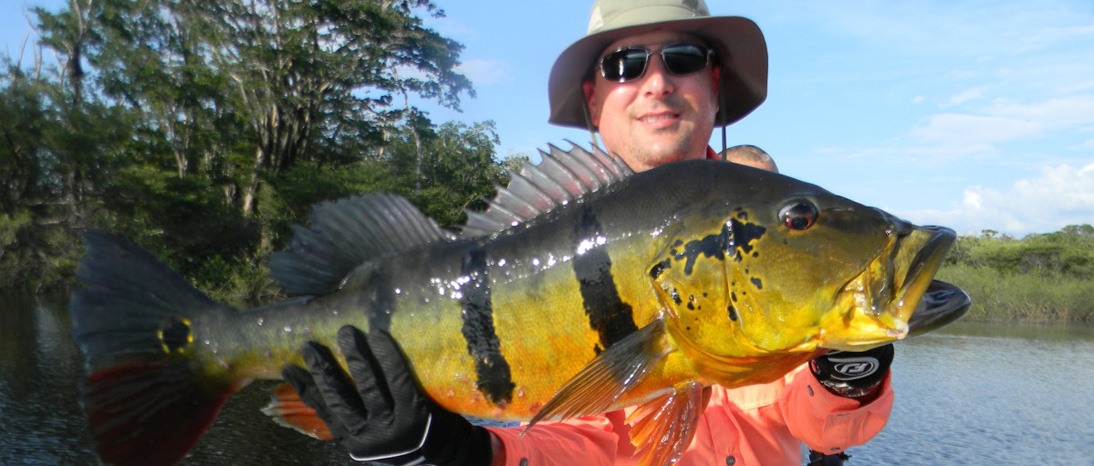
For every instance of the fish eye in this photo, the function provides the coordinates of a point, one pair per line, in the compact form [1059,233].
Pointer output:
[799,215]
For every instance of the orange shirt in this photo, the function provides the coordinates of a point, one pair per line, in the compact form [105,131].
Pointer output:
[753,425]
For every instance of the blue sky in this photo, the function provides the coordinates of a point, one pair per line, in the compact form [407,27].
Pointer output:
[969,114]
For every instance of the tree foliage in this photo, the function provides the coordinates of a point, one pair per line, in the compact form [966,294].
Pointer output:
[203,128]
[1044,277]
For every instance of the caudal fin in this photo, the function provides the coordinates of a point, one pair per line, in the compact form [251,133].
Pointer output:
[147,398]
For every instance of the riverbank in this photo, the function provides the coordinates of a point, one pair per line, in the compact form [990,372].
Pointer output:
[1026,298]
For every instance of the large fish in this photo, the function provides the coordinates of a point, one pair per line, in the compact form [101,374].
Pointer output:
[583,288]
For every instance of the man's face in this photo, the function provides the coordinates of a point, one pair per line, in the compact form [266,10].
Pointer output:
[658,117]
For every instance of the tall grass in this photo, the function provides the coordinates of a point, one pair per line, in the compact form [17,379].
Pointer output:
[1023,297]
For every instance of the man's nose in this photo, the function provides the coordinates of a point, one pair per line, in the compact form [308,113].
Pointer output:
[658,79]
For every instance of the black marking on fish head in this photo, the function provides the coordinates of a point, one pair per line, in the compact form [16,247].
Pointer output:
[744,235]
[675,296]
[175,335]
[732,313]
[759,284]
[710,246]
[659,268]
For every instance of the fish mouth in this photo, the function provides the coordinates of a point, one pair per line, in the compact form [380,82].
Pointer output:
[881,300]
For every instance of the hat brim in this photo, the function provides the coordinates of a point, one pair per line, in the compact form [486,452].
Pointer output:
[739,49]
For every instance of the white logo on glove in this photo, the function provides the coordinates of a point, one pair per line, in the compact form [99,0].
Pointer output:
[853,368]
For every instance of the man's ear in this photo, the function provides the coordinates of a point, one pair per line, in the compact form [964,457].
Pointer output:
[588,87]
[718,82]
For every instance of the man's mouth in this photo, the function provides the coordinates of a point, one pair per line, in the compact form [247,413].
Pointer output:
[658,117]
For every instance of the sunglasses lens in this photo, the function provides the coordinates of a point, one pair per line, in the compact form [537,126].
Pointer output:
[684,58]
[624,64]
[628,64]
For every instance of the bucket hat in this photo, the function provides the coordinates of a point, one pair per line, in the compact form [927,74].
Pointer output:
[737,42]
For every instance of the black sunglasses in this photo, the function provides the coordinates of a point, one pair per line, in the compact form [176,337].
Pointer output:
[630,63]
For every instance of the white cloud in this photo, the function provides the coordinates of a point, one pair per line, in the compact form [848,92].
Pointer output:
[966,96]
[1051,114]
[482,71]
[963,129]
[1004,120]
[1061,195]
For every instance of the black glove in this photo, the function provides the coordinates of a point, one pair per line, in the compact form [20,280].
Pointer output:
[851,374]
[386,417]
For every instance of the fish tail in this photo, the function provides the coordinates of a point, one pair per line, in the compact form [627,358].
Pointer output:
[146,395]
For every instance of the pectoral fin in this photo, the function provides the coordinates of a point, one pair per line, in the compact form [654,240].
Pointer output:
[607,377]
[661,429]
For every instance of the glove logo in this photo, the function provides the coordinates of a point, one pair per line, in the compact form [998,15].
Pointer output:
[853,368]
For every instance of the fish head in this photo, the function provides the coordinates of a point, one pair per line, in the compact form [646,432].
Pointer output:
[831,273]
[803,271]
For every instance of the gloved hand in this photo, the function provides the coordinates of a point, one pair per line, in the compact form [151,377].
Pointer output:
[853,374]
[385,417]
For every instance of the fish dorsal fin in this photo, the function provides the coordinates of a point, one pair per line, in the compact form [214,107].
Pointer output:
[662,428]
[606,378]
[346,233]
[560,177]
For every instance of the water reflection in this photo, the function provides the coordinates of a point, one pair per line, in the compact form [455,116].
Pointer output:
[970,394]
[991,394]
[39,366]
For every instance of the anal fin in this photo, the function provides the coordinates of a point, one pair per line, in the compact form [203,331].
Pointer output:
[662,428]
[286,408]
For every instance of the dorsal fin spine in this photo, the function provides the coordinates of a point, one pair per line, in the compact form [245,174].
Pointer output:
[551,187]
[575,186]
[561,177]
[580,171]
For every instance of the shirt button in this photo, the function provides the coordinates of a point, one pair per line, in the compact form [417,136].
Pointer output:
[730,461]
[524,462]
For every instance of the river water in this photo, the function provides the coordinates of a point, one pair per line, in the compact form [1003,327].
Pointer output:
[968,394]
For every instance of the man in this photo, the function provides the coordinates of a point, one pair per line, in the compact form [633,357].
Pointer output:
[653,78]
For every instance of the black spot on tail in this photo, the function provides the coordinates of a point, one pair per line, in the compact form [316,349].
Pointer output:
[175,335]
[608,315]
[493,376]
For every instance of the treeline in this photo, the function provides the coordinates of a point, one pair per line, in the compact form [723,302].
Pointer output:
[202,129]
[1039,278]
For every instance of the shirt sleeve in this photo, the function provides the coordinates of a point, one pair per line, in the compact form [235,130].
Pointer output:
[829,423]
[584,441]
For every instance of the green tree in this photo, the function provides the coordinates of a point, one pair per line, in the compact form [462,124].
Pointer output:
[202,128]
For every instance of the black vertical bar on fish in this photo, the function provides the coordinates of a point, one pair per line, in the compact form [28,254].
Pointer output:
[494,379]
[381,300]
[608,315]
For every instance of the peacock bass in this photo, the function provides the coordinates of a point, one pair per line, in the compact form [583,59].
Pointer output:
[583,288]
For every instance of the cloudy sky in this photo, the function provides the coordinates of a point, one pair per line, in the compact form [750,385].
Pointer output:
[970,114]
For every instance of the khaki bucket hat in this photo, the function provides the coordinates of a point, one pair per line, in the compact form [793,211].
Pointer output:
[738,45]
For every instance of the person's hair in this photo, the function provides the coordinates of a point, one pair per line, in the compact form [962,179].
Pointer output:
[749,154]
